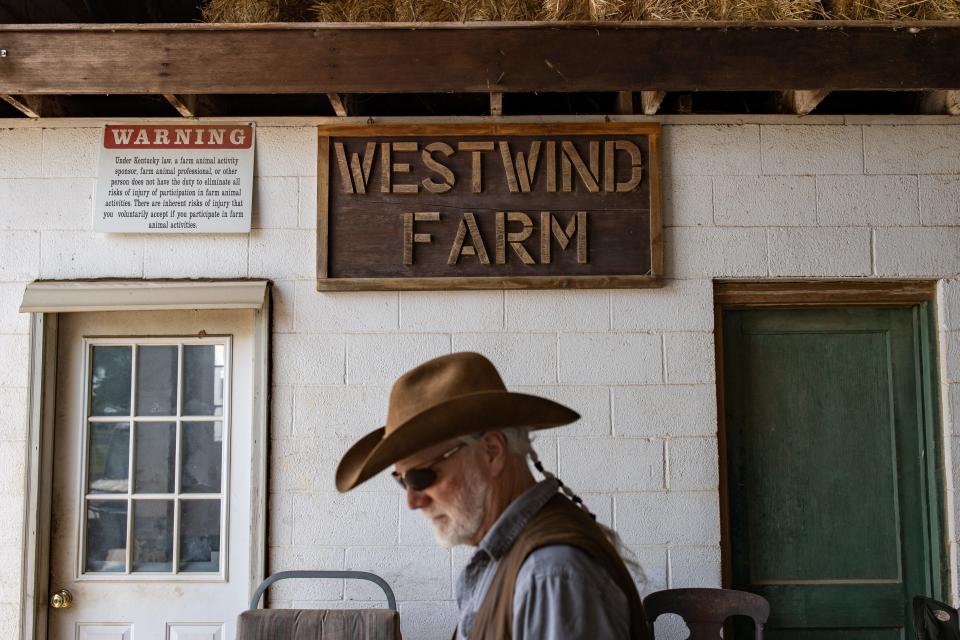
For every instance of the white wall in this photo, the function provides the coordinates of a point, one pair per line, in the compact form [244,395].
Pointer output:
[772,197]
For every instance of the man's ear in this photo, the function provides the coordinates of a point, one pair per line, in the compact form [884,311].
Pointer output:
[495,451]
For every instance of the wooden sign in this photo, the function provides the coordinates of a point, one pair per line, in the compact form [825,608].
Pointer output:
[487,206]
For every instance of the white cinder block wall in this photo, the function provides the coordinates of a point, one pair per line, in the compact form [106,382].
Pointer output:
[768,197]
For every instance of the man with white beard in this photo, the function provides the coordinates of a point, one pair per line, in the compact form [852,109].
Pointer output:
[543,568]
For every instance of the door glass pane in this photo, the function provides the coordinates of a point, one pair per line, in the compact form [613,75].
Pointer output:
[202,451]
[155,455]
[106,535]
[153,535]
[110,381]
[203,371]
[199,535]
[108,457]
[157,380]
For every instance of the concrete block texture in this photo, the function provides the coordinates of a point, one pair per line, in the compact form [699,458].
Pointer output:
[308,203]
[940,200]
[200,256]
[279,520]
[916,251]
[304,464]
[669,518]
[283,305]
[44,203]
[13,453]
[692,464]
[690,358]
[951,347]
[591,402]
[586,463]
[283,253]
[552,310]
[306,558]
[14,414]
[756,201]
[339,411]
[868,201]
[687,201]
[276,203]
[827,251]
[286,151]
[19,256]
[715,252]
[521,358]
[695,567]
[708,150]
[680,305]
[335,519]
[673,410]
[610,358]
[20,152]
[428,620]
[281,412]
[953,398]
[651,572]
[911,149]
[15,356]
[346,311]
[74,254]
[71,152]
[811,150]
[382,358]
[11,320]
[451,311]
[309,359]
[414,573]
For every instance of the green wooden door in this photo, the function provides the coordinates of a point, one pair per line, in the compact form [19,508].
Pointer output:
[832,501]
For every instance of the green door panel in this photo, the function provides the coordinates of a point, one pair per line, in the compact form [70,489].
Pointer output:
[827,475]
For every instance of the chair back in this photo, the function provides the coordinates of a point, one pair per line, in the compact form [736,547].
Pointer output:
[320,624]
[705,610]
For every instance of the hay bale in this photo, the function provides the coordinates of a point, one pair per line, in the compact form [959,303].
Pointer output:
[563,10]
[891,9]
[256,10]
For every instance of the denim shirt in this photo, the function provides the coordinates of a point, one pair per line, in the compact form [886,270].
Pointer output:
[560,592]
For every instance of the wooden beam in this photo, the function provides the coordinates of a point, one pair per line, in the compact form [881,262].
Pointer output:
[339,104]
[650,101]
[445,57]
[802,102]
[185,105]
[624,102]
[36,106]
[19,105]
[496,103]
[941,103]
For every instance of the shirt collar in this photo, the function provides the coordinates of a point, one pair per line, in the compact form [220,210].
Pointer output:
[516,516]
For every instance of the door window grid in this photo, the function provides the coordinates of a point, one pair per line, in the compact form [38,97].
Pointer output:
[116,502]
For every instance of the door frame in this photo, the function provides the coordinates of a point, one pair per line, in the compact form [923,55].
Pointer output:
[126,295]
[810,293]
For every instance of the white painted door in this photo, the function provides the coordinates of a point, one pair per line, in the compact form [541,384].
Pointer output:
[151,489]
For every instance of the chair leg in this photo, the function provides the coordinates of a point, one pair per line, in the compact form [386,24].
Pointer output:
[759,627]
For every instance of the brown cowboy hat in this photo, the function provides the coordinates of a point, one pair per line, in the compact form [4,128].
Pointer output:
[444,398]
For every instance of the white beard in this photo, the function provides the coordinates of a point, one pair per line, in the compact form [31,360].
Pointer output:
[459,523]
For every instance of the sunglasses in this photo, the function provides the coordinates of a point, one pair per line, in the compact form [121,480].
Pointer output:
[422,477]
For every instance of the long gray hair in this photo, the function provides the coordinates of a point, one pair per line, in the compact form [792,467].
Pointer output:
[520,443]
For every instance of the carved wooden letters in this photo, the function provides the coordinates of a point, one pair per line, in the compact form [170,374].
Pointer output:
[489,206]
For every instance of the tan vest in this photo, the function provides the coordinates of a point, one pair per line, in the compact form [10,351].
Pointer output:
[559,522]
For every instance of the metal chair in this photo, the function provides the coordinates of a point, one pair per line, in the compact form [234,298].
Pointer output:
[705,610]
[935,620]
[320,624]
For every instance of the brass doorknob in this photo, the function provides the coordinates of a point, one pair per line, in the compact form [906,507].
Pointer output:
[61,600]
